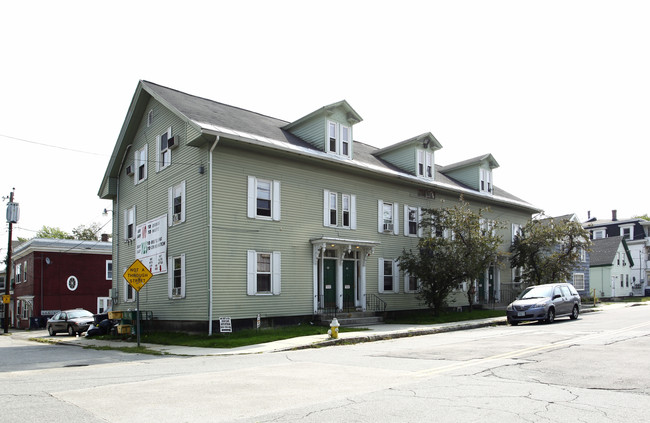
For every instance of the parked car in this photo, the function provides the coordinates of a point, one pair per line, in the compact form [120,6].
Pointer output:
[73,322]
[544,303]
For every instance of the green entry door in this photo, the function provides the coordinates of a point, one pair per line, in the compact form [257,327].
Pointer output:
[329,283]
[348,284]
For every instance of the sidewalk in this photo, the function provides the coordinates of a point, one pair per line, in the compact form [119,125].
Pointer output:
[374,333]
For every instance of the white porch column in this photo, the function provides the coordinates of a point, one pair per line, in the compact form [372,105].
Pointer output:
[339,279]
[315,253]
[362,279]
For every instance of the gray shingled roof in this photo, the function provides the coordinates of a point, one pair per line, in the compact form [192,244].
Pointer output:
[208,114]
[603,251]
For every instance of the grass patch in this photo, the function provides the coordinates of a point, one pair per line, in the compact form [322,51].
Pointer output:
[426,317]
[232,340]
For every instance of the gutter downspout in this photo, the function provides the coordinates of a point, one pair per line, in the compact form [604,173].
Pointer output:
[210,247]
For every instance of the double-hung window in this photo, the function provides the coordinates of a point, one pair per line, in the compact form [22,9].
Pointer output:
[388,276]
[263,273]
[339,139]
[598,234]
[129,291]
[579,281]
[129,223]
[486,180]
[516,231]
[109,270]
[176,204]
[140,164]
[164,153]
[176,277]
[339,210]
[425,164]
[17,274]
[412,216]
[388,217]
[627,232]
[411,283]
[263,199]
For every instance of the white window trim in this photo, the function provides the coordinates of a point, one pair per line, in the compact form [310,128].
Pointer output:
[149,118]
[380,279]
[173,192]
[251,273]
[128,288]
[137,161]
[573,282]
[631,228]
[380,218]
[407,285]
[106,301]
[252,199]
[126,223]
[159,152]
[424,164]
[171,293]
[17,273]
[601,232]
[327,208]
[418,217]
[72,279]
[485,183]
[338,129]
[109,272]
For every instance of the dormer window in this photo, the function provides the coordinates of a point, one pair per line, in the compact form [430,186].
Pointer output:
[425,164]
[486,180]
[339,138]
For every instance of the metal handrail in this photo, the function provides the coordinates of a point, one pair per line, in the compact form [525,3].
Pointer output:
[374,303]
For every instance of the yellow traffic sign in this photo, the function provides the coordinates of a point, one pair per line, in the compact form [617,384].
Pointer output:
[137,275]
[6,299]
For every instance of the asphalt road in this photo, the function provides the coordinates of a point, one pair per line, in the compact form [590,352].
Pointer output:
[594,369]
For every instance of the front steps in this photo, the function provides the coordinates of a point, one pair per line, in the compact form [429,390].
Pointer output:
[353,319]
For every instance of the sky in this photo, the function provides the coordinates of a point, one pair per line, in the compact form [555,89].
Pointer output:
[557,91]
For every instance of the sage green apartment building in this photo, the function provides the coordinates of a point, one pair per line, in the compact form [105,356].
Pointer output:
[238,214]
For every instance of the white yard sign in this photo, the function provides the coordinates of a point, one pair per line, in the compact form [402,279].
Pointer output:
[151,244]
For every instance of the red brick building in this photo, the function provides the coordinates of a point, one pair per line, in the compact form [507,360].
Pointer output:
[58,274]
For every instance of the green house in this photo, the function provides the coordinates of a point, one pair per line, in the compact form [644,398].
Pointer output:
[241,215]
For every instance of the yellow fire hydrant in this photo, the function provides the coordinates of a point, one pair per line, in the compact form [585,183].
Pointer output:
[334,329]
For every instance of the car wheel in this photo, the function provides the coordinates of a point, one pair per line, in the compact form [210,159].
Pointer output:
[50,330]
[512,322]
[574,313]
[550,317]
[70,331]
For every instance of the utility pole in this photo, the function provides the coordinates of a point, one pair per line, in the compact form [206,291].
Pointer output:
[12,217]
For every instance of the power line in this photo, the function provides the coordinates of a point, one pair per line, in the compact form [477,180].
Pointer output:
[53,146]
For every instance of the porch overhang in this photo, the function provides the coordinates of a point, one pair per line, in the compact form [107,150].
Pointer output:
[352,244]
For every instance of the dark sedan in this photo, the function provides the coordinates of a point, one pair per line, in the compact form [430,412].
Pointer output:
[73,322]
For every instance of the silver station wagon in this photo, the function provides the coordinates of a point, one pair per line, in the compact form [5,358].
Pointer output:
[544,303]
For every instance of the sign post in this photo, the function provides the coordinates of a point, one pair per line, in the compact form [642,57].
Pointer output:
[137,275]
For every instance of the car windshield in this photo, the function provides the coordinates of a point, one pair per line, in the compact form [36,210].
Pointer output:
[79,313]
[536,292]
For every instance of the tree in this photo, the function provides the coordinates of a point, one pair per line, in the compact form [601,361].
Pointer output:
[458,246]
[643,216]
[53,232]
[89,233]
[548,249]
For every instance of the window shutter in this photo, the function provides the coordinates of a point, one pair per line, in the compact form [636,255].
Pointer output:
[157,153]
[396,218]
[136,166]
[326,207]
[276,201]
[380,272]
[420,222]
[251,280]
[353,211]
[380,207]
[182,275]
[277,273]
[126,224]
[146,163]
[406,282]
[252,194]
[406,220]
[395,277]
[183,201]
[170,277]
[170,206]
